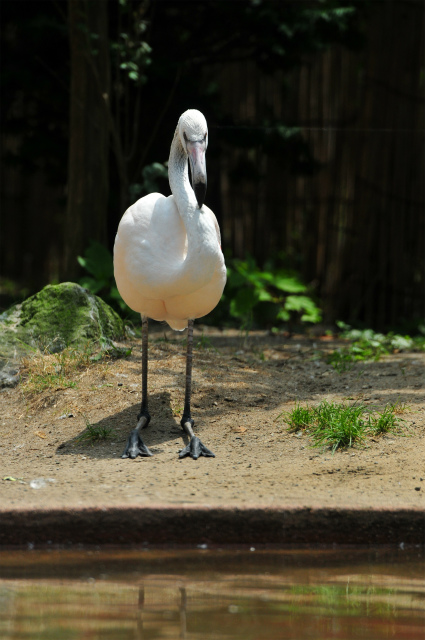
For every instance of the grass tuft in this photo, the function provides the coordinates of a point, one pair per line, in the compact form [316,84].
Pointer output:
[300,418]
[53,370]
[95,433]
[386,421]
[337,426]
[205,343]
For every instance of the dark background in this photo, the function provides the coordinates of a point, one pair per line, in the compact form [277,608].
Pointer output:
[316,119]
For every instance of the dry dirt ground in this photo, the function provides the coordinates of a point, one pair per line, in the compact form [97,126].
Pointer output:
[242,386]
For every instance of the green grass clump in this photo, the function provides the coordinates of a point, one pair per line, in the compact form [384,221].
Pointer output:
[337,425]
[95,433]
[386,421]
[300,418]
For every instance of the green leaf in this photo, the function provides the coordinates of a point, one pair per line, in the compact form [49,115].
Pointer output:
[289,284]
[236,280]
[97,261]
[92,285]
[265,296]
[243,303]
[402,343]
[311,313]
[283,315]
[151,174]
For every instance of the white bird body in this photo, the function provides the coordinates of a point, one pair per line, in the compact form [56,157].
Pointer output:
[167,256]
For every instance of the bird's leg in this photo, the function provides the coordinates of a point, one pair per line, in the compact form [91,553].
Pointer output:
[195,448]
[141,607]
[135,445]
[183,612]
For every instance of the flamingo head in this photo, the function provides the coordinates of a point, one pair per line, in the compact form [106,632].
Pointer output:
[193,133]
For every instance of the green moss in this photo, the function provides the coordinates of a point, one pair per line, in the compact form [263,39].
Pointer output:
[56,317]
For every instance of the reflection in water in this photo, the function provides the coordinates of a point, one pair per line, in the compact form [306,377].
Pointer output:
[218,595]
[182,612]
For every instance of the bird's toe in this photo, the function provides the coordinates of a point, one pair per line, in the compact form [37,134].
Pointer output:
[195,449]
[135,447]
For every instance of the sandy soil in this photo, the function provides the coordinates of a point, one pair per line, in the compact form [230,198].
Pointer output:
[241,388]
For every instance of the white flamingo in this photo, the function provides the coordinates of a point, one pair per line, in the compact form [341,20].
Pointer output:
[168,262]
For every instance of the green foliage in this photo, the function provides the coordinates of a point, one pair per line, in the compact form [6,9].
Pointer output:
[48,371]
[336,426]
[267,296]
[390,341]
[387,420]
[95,433]
[156,50]
[98,262]
[130,51]
[59,316]
[368,345]
[341,360]
[300,418]
[152,174]
[204,343]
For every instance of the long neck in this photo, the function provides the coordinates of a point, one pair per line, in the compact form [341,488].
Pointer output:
[202,244]
[178,177]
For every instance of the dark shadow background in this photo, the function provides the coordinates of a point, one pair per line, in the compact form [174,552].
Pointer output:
[316,119]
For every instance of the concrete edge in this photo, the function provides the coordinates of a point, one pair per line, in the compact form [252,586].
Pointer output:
[196,524]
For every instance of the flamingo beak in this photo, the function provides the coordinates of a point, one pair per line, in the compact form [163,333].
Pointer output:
[196,152]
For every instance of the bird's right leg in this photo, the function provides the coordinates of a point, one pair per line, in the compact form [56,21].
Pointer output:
[135,445]
[195,448]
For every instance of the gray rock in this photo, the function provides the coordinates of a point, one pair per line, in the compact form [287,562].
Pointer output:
[9,377]
[58,316]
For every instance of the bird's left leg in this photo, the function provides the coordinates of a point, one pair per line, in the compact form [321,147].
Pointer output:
[195,448]
[135,445]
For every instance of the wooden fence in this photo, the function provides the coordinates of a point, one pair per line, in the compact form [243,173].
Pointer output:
[357,226]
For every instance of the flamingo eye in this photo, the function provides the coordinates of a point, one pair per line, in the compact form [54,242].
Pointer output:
[185,136]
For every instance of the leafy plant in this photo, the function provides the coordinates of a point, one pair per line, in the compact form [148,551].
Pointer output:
[268,296]
[368,345]
[152,174]
[132,53]
[97,259]
[98,262]
[341,360]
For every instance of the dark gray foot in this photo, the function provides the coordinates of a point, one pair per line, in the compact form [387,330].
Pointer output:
[135,446]
[195,449]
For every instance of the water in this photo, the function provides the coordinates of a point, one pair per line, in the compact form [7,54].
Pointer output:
[216,594]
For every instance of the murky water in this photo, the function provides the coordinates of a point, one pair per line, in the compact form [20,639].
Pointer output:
[212,594]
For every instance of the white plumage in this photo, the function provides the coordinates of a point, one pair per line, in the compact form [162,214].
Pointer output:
[167,257]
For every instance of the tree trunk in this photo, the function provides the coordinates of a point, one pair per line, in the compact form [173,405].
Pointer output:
[88,180]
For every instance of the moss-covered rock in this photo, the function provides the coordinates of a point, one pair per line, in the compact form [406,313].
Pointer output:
[58,316]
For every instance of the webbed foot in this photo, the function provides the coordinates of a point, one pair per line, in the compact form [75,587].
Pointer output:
[135,446]
[195,449]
